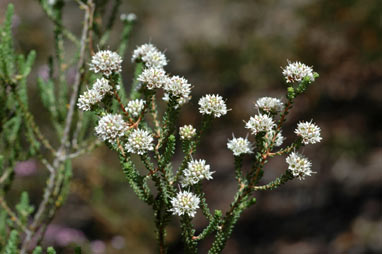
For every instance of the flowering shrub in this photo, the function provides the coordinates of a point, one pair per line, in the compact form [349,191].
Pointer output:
[142,133]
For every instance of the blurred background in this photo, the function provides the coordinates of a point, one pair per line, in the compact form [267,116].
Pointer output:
[236,49]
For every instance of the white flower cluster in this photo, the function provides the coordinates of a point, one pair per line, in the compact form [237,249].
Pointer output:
[279,138]
[179,88]
[102,86]
[260,123]
[196,170]
[239,146]
[110,127]
[153,78]
[212,105]
[269,105]
[187,132]
[106,62]
[135,107]
[150,56]
[95,95]
[185,203]
[309,132]
[130,17]
[299,165]
[139,142]
[297,71]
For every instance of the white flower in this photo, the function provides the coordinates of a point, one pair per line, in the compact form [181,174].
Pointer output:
[279,138]
[139,142]
[88,99]
[185,203]
[260,123]
[196,170]
[299,166]
[150,55]
[153,78]
[179,88]
[128,17]
[309,132]
[95,95]
[102,86]
[297,71]
[212,105]
[269,104]
[106,62]
[110,127]
[187,132]
[239,146]
[135,107]
[155,59]
[141,51]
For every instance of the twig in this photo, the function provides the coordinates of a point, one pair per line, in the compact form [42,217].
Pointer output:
[61,152]
[5,175]
[154,113]
[87,148]
[13,216]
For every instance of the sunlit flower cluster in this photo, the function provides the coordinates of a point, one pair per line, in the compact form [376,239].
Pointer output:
[150,56]
[187,132]
[111,127]
[153,78]
[185,203]
[95,95]
[269,105]
[239,146]
[279,137]
[179,88]
[106,62]
[260,123]
[196,170]
[130,17]
[212,105]
[135,107]
[297,71]
[299,166]
[139,142]
[309,132]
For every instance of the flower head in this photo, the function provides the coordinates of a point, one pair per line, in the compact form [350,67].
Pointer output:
[179,88]
[269,105]
[212,105]
[279,138]
[139,142]
[153,78]
[309,132]
[185,203]
[155,59]
[106,62]
[111,127]
[239,146]
[260,123]
[130,17]
[88,99]
[102,86]
[297,71]
[150,55]
[187,132]
[196,170]
[299,166]
[95,95]
[135,107]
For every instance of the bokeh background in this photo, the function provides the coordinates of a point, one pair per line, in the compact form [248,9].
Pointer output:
[235,48]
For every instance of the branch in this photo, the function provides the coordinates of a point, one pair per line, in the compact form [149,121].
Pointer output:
[61,154]
[13,216]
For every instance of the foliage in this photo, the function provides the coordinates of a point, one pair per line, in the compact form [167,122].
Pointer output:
[141,133]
